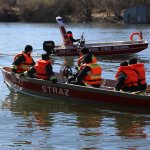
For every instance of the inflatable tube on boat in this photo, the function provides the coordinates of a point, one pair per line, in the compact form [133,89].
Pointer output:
[136,33]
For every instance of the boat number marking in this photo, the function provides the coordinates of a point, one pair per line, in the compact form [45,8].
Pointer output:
[106,48]
[55,90]
[94,48]
[121,47]
[16,81]
[64,51]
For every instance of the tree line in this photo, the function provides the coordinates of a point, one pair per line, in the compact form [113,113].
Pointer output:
[47,10]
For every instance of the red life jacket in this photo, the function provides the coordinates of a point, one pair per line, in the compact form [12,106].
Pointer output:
[67,38]
[139,68]
[132,76]
[25,66]
[41,69]
[94,77]
[70,35]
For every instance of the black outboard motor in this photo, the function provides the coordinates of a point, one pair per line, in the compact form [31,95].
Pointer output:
[49,46]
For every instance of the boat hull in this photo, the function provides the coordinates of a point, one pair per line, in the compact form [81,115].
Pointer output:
[104,49]
[47,90]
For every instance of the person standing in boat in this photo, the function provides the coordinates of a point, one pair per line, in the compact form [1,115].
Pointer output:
[70,36]
[127,78]
[23,61]
[42,70]
[89,73]
[84,51]
[140,70]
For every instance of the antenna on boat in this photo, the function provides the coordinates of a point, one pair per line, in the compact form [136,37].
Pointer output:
[66,39]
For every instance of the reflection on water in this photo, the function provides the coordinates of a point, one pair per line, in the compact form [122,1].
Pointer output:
[41,123]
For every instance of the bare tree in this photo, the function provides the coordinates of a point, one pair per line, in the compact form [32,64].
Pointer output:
[86,9]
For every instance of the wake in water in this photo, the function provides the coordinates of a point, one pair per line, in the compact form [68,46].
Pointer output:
[35,53]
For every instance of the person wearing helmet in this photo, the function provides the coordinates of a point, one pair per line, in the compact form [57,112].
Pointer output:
[23,61]
[70,36]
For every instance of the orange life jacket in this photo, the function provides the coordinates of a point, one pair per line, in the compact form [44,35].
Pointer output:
[132,76]
[25,66]
[41,69]
[140,70]
[80,60]
[94,77]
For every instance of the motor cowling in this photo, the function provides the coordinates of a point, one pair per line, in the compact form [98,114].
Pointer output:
[49,46]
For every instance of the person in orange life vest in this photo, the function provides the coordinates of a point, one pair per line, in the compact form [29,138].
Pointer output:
[84,51]
[70,35]
[140,70]
[23,61]
[42,70]
[127,78]
[90,73]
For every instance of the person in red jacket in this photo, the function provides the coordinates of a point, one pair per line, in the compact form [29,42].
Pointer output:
[23,61]
[140,70]
[42,70]
[70,36]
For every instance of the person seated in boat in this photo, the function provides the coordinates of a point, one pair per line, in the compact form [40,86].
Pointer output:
[140,70]
[23,61]
[70,36]
[84,51]
[127,78]
[89,73]
[42,70]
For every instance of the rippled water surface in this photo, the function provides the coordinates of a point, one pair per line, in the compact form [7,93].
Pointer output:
[38,124]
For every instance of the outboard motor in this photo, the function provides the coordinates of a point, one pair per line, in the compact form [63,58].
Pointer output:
[49,46]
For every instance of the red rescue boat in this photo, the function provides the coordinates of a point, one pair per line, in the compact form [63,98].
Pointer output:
[98,49]
[61,90]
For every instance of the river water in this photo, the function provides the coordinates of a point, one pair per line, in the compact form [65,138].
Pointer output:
[37,124]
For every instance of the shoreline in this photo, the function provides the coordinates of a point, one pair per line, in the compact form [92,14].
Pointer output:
[96,17]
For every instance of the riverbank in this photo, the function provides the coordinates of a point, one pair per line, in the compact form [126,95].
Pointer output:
[100,17]
[107,18]
[14,15]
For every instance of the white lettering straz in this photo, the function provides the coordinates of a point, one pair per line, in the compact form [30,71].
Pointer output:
[55,90]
